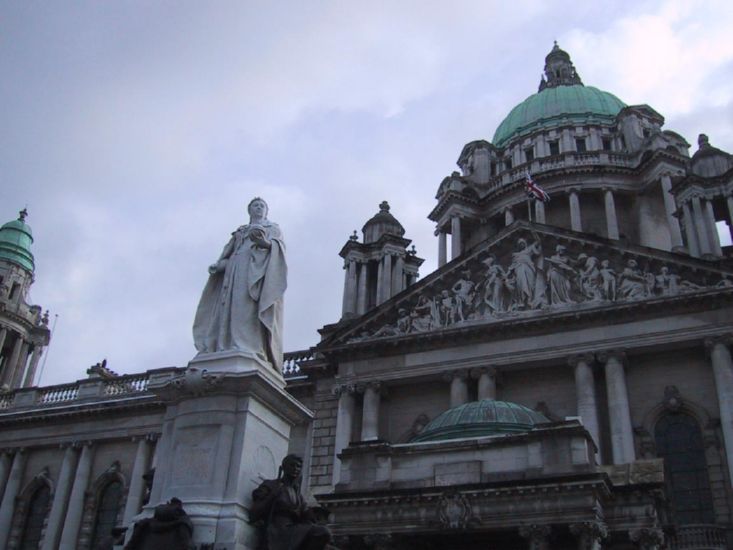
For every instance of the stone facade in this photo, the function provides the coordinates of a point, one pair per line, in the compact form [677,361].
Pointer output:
[608,310]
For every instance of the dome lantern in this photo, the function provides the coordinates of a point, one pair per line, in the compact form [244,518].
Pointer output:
[16,239]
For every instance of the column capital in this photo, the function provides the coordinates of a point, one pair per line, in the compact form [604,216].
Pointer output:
[81,443]
[647,538]
[340,389]
[477,372]
[712,341]
[375,385]
[587,358]
[457,373]
[572,190]
[590,531]
[606,355]
[534,532]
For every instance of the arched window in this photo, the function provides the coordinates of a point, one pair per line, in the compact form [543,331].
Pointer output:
[35,515]
[679,442]
[107,509]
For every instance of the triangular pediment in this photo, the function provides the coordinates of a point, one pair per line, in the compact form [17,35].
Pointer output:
[529,271]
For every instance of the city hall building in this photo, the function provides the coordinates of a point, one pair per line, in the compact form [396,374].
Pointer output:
[562,380]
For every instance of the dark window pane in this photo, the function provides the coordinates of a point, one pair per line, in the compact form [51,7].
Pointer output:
[580,145]
[554,148]
[37,508]
[107,508]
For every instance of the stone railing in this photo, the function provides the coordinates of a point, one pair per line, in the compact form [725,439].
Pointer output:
[698,537]
[58,394]
[291,360]
[123,385]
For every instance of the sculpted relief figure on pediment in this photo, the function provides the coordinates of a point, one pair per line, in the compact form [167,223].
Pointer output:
[537,275]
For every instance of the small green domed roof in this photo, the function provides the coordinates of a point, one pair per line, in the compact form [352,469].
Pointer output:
[16,238]
[575,104]
[479,419]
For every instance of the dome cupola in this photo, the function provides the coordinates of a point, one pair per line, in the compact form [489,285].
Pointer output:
[382,223]
[16,239]
[480,419]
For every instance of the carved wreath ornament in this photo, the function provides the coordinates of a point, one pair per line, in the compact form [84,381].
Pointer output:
[537,277]
[454,511]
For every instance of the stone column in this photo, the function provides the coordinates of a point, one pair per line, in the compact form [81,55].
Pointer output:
[508,216]
[611,220]
[442,248]
[712,229]
[60,500]
[361,300]
[486,377]
[31,372]
[20,366]
[574,204]
[458,387]
[539,211]
[380,281]
[670,208]
[455,237]
[387,277]
[585,392]
[619,416]
[720,358]
[589,534]
[344,425]
[690,231]
[349,305]
[137,484]
[6,460]
[370,412]
[10,364]
[536,536]
[345,299]
[398,275]
[698,217]
[3,335]
[70,533]
[729,201]
[11,491]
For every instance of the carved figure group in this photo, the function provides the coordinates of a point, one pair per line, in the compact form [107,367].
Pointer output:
[533,282]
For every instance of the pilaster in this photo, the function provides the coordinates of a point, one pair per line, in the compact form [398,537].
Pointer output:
[619,415]
[585,392]
[611,219]
[720,358]
[344,424]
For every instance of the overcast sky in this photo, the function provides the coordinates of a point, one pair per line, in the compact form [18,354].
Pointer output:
[137,132]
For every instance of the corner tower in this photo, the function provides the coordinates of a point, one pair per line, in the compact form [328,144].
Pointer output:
[24,330]
[379,267]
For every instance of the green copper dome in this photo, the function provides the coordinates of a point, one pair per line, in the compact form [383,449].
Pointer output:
[575,104]
[479,419]
[15,242]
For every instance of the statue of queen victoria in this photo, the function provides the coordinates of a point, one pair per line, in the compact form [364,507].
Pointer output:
[241,307]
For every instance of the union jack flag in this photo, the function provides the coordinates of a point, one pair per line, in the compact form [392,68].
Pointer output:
[534,191]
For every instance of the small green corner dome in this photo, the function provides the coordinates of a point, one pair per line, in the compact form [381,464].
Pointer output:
[577,104]
[16,239]
[479,419]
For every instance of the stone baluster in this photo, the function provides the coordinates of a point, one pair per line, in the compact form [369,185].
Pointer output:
[585,392]
[486,377]
[712,230]
[70,532]
[536,535]
[589,534]
[611,219]
[344,425]
[33,366]
[670,208]
[698,217]
[574,204]
[458,386]
[370,411]
[720,358]
[690,230]
[619,415]
[455,242]
[60,499]
[12,487]
[136,490]
[361,300]
[442,248]
[508,216]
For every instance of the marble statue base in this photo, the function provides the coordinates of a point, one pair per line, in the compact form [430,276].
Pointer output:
[226,429]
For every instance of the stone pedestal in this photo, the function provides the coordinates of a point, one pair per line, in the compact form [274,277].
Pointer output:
[226,429]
